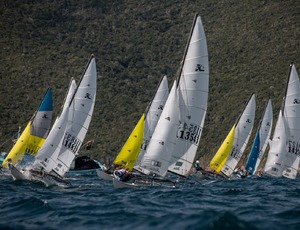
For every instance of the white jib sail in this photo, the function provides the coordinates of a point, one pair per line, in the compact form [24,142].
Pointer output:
[241,137]
[265,132]
[152,117]
[158,154]
[47,155]
[274,163]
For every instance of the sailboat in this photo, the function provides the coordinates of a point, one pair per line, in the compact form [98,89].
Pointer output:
[261,140]
[153,113]
[175,140]
[53,161]
[129,152]
[34,135]
[131,149]
[138,140]
[232,149]
[283,157]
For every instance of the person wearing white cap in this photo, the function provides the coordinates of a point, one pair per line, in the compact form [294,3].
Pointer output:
[197,165]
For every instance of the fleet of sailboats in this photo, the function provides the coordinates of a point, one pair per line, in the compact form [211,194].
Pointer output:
[54,159]
[166,138]
[283,157]
[137,143]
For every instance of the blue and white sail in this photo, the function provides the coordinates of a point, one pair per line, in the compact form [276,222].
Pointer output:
[261,140]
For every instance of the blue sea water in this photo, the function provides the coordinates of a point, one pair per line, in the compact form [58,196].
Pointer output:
[90,203]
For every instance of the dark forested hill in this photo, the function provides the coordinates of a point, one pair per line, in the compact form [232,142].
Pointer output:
[44,43]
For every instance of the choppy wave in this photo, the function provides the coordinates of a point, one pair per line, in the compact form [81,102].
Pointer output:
[90,203]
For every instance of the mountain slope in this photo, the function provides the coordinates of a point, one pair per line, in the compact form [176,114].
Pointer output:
[250,43]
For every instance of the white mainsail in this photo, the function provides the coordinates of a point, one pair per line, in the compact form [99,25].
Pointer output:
[274,163]
[283,157]
[241,136]
[265,132]
[193,86]
[72,125]
[154,111]
[158,154]
[47,156]
[291,114]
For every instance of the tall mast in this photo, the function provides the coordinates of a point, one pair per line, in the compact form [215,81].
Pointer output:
[86,67]
[237,121]
[286,88]
[150,103]
[186,49]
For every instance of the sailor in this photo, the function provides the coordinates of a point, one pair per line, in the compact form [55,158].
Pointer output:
[10,164]
[122,174]
[197,166]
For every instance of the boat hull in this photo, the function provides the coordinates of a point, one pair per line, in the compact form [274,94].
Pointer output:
[16,173]
[120,184]
[83,172]
[104,176]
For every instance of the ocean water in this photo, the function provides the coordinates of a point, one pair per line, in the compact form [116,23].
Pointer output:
[90,203]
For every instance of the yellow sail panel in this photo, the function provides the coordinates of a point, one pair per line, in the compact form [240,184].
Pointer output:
[131,149]
[222,154]
[27,143]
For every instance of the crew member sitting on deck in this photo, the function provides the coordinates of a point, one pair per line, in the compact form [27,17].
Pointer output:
[122,174]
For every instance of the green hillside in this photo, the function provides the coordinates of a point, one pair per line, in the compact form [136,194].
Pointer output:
[44,43]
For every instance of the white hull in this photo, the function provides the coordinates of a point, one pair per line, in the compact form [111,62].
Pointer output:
[82,172]
[17,174]
[104,176]
[49,180]
[120,184]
